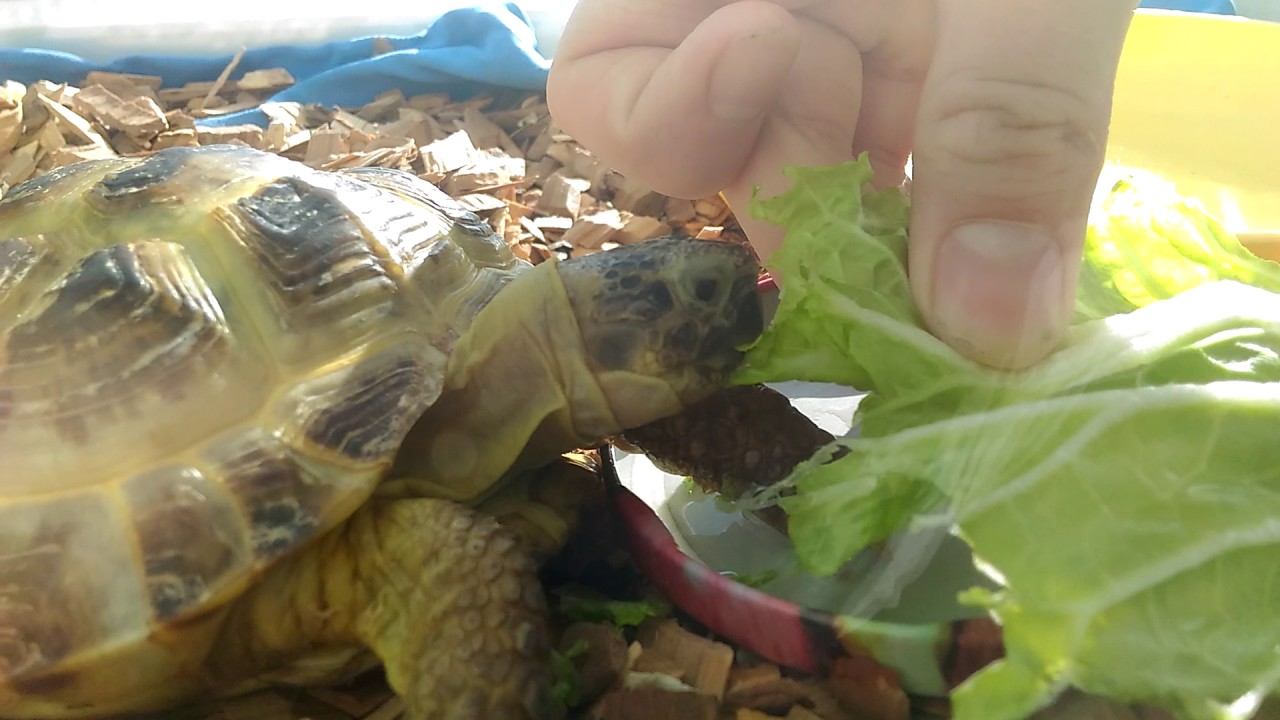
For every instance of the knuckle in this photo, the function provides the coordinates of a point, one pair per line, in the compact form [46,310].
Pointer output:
[1014,137]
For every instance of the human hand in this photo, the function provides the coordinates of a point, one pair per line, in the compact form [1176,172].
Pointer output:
[1001,105]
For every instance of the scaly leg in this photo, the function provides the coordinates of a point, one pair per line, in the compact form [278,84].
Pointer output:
[445,597]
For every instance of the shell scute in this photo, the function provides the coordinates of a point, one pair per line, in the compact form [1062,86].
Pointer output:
[173,178]
[69,581]
[451,257]
[327,440]
[191,535]
[131,332]
[327,284]
[364,411]
[140,183]
[285,503]
[61,183]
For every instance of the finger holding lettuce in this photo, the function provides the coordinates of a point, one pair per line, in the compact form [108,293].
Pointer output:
[1001,105]
[1123,492]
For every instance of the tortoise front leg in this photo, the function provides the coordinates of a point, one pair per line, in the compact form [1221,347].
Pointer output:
[444,596]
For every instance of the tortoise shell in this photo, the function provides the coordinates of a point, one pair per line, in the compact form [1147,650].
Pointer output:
[207,357]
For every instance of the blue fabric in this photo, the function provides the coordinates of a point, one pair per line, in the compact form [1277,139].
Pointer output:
[489,44]
[1217,7]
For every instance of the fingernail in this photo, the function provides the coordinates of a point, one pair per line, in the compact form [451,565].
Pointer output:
[998,293]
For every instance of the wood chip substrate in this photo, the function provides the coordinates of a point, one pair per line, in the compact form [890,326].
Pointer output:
[499,154]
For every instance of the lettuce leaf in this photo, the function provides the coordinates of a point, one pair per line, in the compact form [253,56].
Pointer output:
[1124,493]
[1181,246]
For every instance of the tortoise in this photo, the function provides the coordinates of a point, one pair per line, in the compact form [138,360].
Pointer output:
[267,424]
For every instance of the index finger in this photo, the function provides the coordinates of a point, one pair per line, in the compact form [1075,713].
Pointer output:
[600,25]
[669,92]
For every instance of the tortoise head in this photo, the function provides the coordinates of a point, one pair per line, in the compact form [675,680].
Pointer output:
[664,321]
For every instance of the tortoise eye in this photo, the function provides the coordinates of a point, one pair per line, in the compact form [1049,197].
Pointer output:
[705,289]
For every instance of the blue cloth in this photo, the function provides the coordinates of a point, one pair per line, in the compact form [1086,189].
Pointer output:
[1217,7]
[489,44]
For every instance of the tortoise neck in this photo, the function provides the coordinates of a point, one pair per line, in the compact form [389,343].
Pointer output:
[518,393]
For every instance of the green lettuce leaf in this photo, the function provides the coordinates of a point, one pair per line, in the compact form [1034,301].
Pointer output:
[1124,493]
[1179,246]
[845,259]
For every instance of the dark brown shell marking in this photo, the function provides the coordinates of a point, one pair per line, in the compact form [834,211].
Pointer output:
[127,316]
[189,533]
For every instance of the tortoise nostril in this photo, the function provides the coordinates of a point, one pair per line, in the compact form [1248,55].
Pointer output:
[705,289]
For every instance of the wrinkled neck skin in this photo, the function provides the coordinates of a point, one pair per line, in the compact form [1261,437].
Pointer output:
[520,391]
